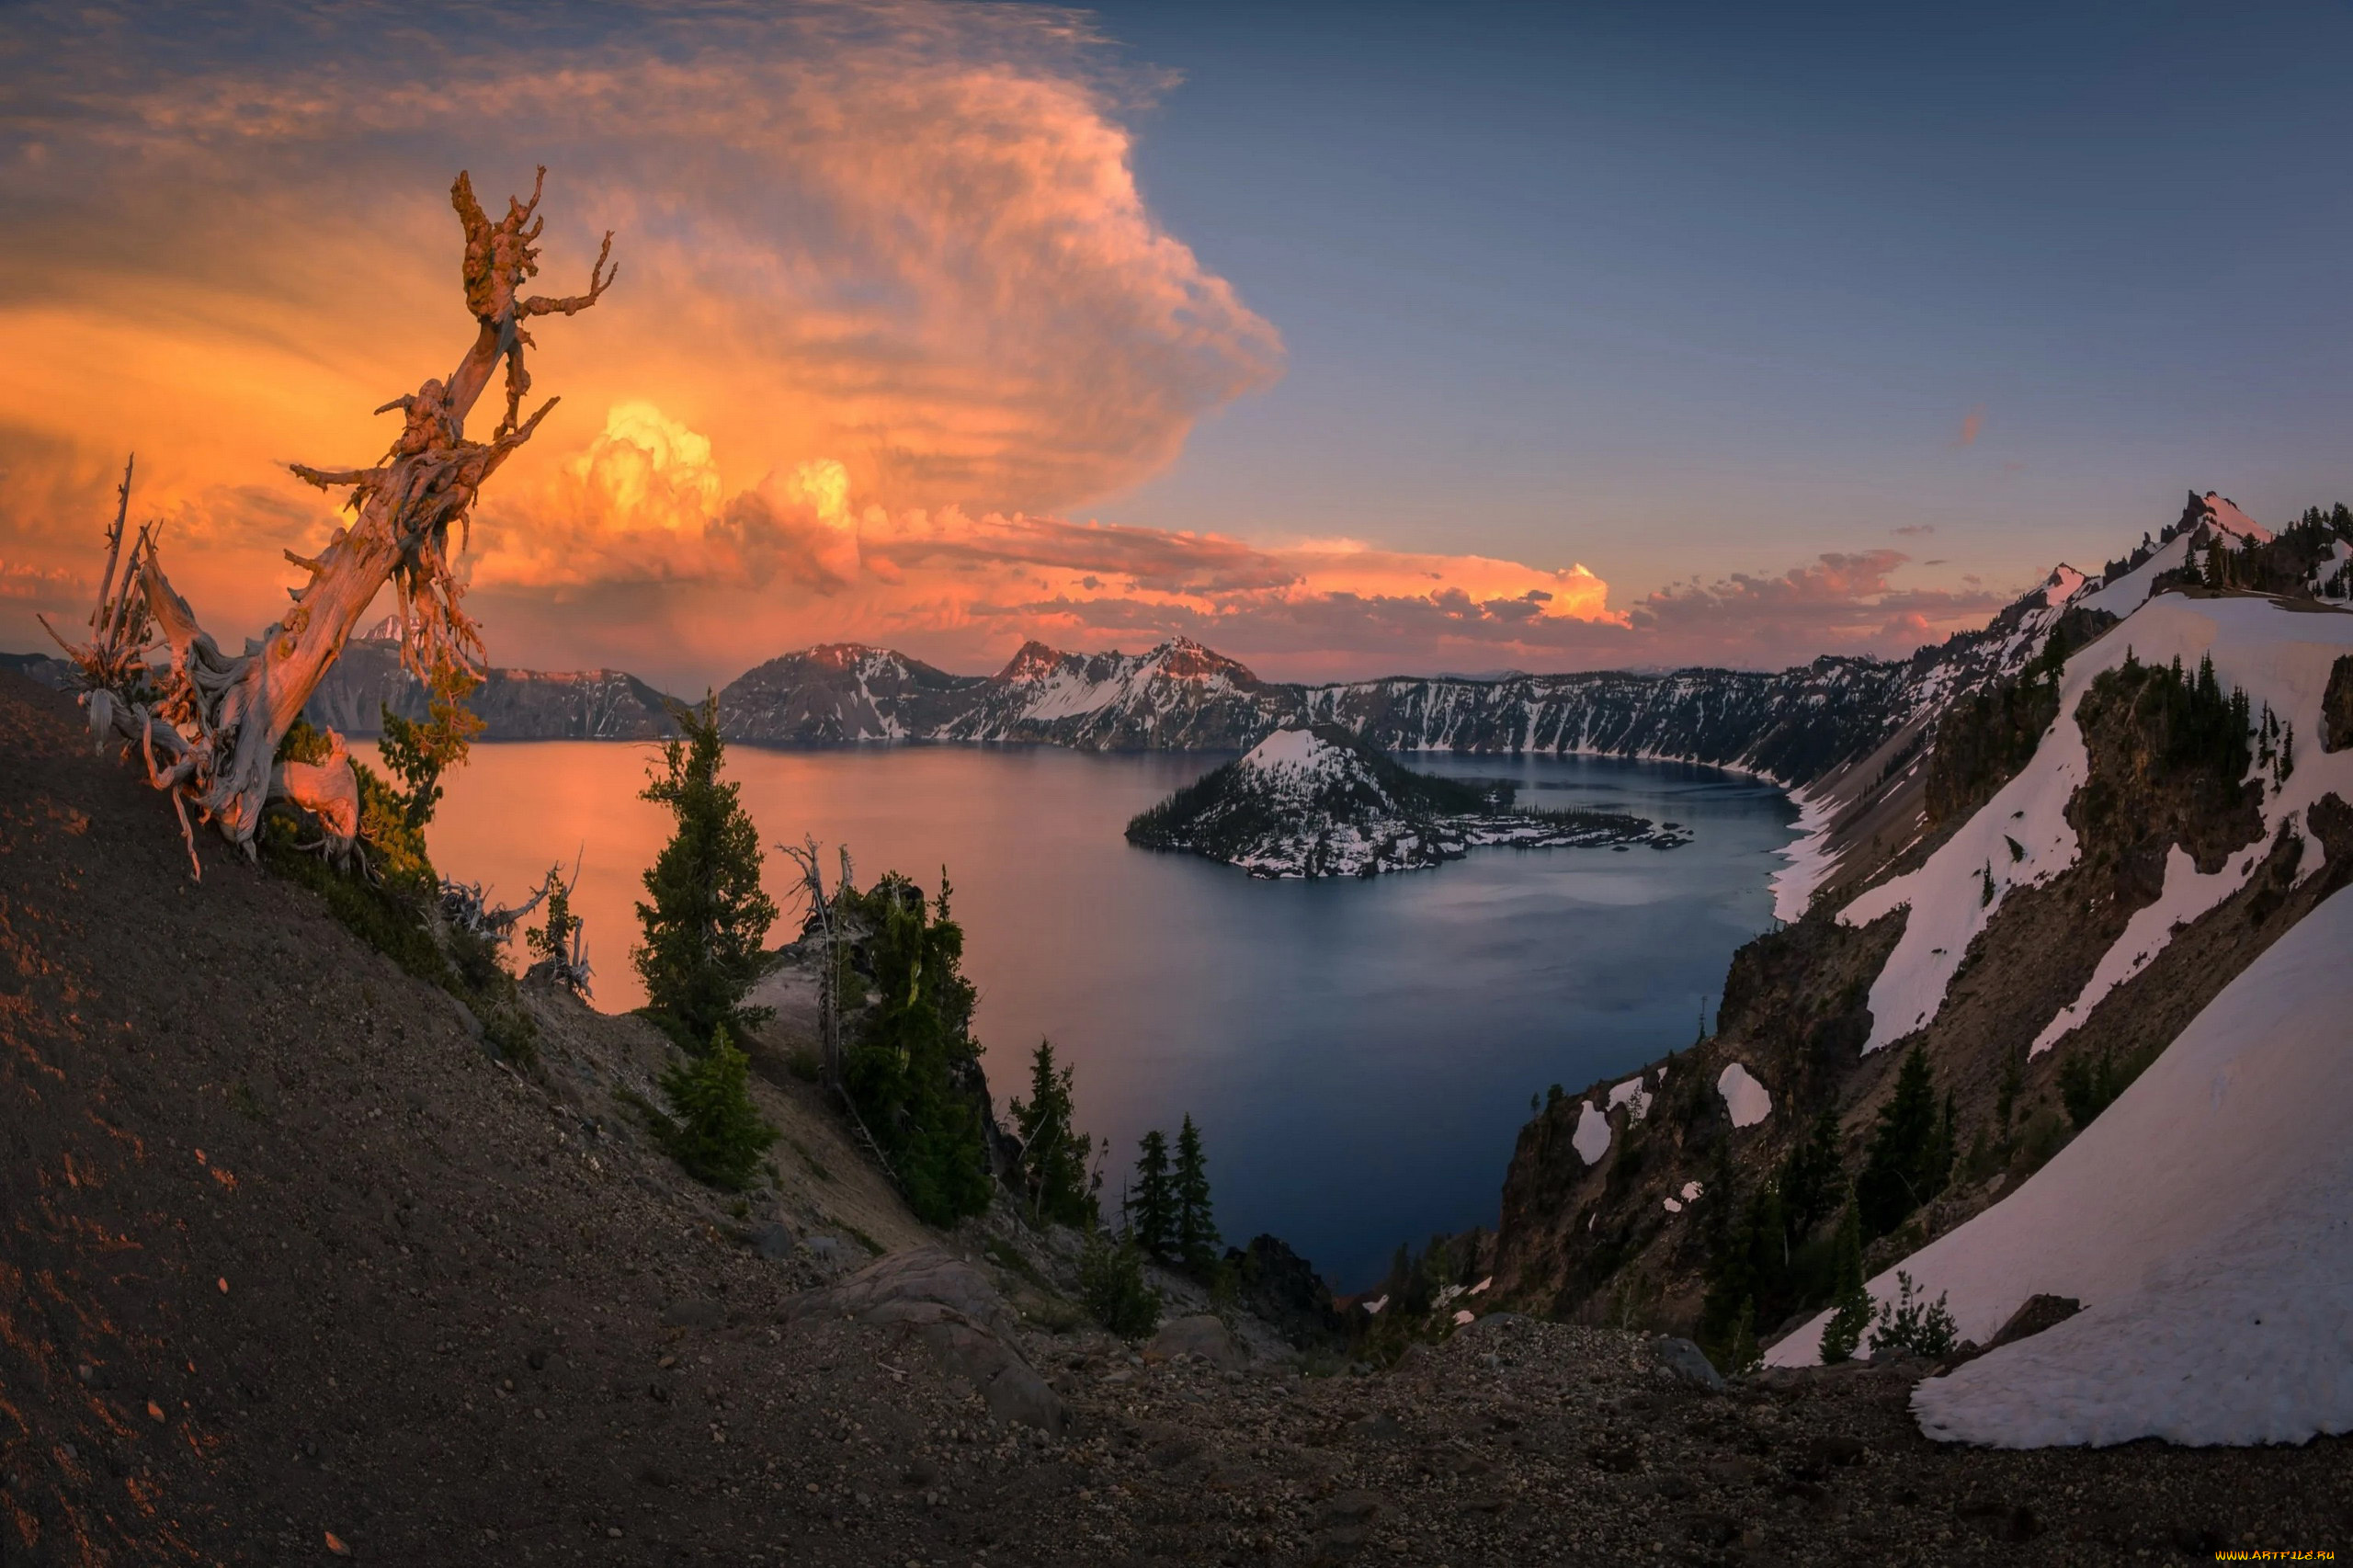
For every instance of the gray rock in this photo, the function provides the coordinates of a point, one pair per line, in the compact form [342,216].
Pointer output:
[2035,1314]
[1687,1363]
[1202,1335]
[774,1240]
[928,1294]
[826,1249]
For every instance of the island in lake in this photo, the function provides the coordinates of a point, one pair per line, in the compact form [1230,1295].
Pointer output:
[1317,802]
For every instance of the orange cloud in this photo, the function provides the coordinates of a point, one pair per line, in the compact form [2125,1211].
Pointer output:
[903,239]
[644,506]
[1971,422]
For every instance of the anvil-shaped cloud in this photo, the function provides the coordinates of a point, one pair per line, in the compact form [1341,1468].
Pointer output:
[891,308]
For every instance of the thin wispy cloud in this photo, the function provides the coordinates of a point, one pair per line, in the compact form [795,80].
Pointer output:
[1971,424]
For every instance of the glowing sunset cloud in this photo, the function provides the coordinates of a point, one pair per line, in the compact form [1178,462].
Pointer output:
[892,307]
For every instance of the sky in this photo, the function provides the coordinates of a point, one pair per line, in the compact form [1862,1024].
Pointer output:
[1348,340]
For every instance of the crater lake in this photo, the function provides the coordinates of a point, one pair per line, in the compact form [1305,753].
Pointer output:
[1360,1053]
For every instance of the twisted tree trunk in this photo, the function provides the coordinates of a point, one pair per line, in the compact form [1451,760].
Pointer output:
[209,724]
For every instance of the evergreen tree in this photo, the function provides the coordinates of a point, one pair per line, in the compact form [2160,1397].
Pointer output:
[1053,1155]
[1151,1217]
[1815,1175]
[1744,1356]
[1112,1286]
[714,1130]
[2013,1080]
[913,1072]
[708,920]
[1902,1171]
[1197,1236]
[1845,1329]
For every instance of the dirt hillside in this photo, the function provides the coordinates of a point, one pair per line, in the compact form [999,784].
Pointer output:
[291,1270]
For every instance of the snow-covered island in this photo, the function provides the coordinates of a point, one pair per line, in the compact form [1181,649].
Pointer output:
[1319,802]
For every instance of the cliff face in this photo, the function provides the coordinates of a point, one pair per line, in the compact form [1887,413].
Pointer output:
[2079,906]
[515,705]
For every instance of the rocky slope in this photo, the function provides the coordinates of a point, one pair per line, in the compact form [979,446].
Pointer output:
[292,1269]
[2103,877]
[515,705]
[1317,802]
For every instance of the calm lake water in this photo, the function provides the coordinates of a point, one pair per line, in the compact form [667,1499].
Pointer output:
[1360,1054]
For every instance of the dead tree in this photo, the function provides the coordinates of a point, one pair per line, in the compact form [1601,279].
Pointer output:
[208,723]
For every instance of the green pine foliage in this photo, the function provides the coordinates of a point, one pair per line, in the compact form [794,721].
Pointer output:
[1845,1330]
[1813,1177]
[707,918]
[1112,1286]
[1151,1206]
[2089,1085]
[1197,1238]
[1911,1152]
[713,1130]
[1913,1325]
[913,1069]
[1054,1154]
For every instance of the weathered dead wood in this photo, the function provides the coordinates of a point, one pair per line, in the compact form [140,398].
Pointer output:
[209,724]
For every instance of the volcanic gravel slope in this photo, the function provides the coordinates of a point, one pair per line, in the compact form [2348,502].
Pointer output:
[292,1271]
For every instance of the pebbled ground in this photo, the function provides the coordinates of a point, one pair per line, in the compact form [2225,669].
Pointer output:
[292,1271]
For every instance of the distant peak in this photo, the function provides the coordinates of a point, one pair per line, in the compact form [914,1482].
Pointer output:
[1187,660]
[1031,660]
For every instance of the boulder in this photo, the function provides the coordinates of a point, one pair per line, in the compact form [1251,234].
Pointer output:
[1686,1363]
[929,1294]
[774,1240]
[2035,1314]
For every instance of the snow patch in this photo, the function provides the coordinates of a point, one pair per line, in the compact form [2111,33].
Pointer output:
[1631,1094]
[2201,1220]
[1591,1139]
[2187,896]
[1748,1101]
[2021,838]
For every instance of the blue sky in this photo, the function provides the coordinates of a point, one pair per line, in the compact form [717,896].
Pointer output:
[1686,289]
[1358,328]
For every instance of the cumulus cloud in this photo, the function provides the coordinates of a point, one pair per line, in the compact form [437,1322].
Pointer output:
[903,239]
[892,312]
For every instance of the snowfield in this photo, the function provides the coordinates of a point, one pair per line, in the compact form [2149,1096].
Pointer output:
[2202,1222]
[2021,838]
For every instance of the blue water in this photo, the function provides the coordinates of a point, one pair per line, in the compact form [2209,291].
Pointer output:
[1360,1054]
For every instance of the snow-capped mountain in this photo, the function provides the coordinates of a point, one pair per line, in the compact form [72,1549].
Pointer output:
[838,692]
[1317,802]
[2094,886]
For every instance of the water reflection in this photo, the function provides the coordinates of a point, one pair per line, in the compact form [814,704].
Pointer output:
[1360,1055]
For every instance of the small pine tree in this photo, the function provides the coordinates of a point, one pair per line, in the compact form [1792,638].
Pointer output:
[1813,1176]
[1112,1286]
[1744,1356]
[1845,1329]
[715,1132]
[1913,1325]
[1197,1237]
[1053,1155]
[1897,1176]
[913,1072]
[705,926]
[1152,1215]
